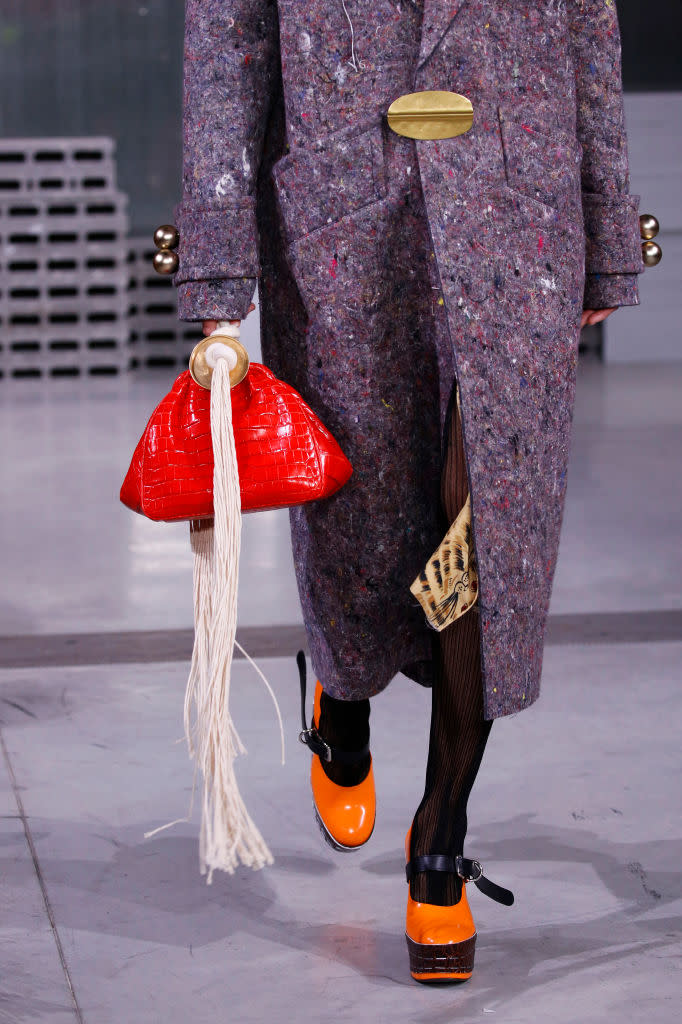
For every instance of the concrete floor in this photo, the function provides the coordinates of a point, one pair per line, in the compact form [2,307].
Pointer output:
[577,807]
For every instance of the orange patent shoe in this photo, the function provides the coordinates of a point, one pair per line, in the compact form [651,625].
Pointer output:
[345,814]
[441,941]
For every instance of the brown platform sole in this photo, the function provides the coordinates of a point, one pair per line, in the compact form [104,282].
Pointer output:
[453,961]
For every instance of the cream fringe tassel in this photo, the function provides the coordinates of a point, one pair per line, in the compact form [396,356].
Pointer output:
[228,834]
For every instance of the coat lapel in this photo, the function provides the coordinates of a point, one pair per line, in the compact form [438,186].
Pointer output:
[438,16]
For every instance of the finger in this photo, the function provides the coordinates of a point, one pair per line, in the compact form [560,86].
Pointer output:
[209,326]
[585,317]
[599,315]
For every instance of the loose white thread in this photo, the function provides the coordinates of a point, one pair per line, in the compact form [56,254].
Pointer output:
[354,63]
[228,835]
[270,691]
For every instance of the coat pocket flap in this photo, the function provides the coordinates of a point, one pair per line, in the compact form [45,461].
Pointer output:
[541,162]
[332,177]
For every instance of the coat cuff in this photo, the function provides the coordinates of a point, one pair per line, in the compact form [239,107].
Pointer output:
[606,291]
[226,299]
[612,236]
[217,241]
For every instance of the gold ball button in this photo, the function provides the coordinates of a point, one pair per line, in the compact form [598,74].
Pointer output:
[166,236]
[651,254]
[166,262]
[649,226]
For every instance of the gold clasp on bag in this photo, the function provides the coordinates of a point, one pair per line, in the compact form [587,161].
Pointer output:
[431,115]
[200,370]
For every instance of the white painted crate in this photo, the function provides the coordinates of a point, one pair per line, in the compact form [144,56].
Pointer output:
[63,284]
[56,166]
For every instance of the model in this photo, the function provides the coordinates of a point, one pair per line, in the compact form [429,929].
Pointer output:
[426,297]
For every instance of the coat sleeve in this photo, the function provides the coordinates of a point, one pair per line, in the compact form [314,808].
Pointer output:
[613,245]
[231,63]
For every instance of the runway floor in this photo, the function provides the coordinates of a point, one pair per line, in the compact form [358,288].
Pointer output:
[577,807]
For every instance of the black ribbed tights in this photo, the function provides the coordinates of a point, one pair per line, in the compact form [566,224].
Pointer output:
[458,733]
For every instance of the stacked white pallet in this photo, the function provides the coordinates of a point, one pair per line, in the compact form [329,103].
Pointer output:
[157,337]
[63,259]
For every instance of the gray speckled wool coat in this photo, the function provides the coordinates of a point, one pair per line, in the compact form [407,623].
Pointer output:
[389,268]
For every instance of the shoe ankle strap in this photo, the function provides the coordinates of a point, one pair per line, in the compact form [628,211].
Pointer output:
[311,737]
[467,870]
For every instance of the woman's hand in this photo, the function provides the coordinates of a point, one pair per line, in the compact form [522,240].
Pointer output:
[209,326]
[591,317]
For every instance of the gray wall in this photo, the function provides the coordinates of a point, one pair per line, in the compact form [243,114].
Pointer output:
[101,67]
[114,67]
[652,56]
[652,331]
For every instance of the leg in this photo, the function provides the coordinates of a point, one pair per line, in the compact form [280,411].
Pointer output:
[345,724]
[458,730]
[341,775]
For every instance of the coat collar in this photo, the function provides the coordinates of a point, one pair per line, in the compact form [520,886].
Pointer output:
[438,16]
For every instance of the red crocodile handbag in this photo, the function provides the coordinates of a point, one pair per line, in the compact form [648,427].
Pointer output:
[285,455]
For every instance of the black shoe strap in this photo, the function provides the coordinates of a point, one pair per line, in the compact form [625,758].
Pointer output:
[311,737]
[468,870]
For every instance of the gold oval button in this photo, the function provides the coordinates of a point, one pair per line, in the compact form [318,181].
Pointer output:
[431,115]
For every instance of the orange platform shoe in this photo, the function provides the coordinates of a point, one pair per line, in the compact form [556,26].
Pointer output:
[441,941]
[345,814]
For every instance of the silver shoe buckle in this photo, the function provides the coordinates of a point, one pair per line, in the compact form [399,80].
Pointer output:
[477,866]
[308,736]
